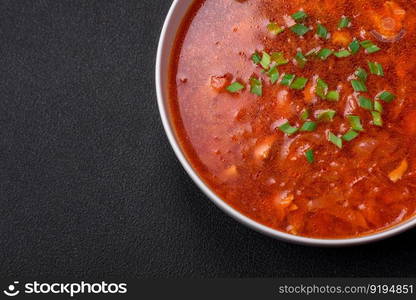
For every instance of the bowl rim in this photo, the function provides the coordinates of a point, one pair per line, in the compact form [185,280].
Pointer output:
[177,15]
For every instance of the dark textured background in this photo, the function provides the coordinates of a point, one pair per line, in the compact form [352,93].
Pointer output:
[88,183]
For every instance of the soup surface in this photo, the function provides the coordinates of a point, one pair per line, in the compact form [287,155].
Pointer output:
[301,114]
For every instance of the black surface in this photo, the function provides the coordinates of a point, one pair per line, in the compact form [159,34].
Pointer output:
[89,185]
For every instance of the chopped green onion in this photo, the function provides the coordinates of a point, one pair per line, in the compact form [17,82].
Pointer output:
[321,88]
[358,86]
[365,103]
[288,129]
[273,74]
[324,53]
[326,115]
[342,53]
[386,96]
[337,141]
[332,96]
[362,74]
[299,29]
[310,157]
[235,87]
[344,22]
[350,135]
[321,31]
[369,47]
[274,28]
[299,83]
[376,68]
[308,126]
[299,16]
[256,58]
[378,106]
[304,115]
[355,122]
[287,79]
[300,59]
[377,120]
[279,58]
[256,86]
[265,60]
[354,46]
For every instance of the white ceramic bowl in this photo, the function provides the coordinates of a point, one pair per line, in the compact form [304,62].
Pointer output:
[173,21]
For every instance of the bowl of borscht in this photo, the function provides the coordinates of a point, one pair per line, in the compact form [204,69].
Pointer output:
[297,118]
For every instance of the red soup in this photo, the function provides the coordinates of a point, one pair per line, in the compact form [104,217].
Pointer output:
[301,114]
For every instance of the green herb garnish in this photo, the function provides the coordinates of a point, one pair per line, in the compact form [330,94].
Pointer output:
[324,53]
[279,58]
[287,79]
[299,83]
[362,74]
[300,29]
[310,157]
[376,68]
[274,28]
[369,47]
[304,115]
[299,16]
[337,141]
[354,46]
[265,60]
[256,86]
[326,115]
[358,85]
[365,103]
[321,88]
[386,96]
[273,74]
[378,106]
[300,59]
[308,126]
[256,58]
[344,22]
[288,129]
[333,96]
[377,119]
[235,87]
[321,31]
[350,135]
[355,122]
[342,53]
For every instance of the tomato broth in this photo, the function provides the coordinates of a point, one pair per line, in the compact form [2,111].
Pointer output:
[301,114]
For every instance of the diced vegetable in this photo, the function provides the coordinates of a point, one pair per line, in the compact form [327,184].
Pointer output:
[386,96]
[376,68]
[279,58]
[265,60]
[358,86]
[326,115]
[310,157]
[235,87]
[321,31]
[309,126]
[321,88]
[324,53]
[337,141]
[355,122]
[275,28]
[256,86]
[344,22]
[288,129]
[273,74]
[300,29]
[287,79]
[333,96]
[299,16]
[398,173]
[377,119]
[299,83]
[365,103]
[350,135]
